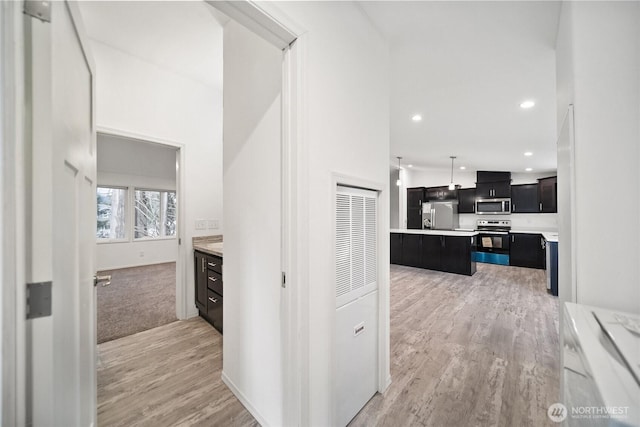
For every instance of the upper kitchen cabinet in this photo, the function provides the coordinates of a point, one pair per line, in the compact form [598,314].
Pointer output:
[524,198]
[433,194]
[467,200]
[415,198]
[493,185]
[548,194]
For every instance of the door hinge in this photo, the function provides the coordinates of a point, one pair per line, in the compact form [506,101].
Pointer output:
[38,9]
[284,279]
[38,300]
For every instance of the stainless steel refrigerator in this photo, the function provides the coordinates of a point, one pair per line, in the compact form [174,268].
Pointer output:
[440,215]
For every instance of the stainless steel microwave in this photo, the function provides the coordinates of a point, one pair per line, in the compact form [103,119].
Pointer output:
[493,206]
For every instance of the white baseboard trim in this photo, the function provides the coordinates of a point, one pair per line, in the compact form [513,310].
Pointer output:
[243,399]
[142,264]
[192,312]
[386,385]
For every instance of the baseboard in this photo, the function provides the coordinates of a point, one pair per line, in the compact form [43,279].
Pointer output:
[386,385]
[144,264]
[245,402]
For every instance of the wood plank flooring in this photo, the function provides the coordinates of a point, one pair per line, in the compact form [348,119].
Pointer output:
[465,351]
[469,351]
[167,376]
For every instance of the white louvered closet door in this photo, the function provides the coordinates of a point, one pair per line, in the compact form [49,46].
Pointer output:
[356,243]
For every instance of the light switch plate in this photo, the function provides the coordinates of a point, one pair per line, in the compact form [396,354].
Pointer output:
[213,224]
[201,224]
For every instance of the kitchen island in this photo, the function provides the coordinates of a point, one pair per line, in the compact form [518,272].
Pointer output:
[450,251]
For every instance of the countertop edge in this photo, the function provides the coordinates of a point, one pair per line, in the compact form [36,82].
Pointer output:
[207,250]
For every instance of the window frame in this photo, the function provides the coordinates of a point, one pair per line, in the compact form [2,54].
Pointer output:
[130,215]
[126,238]
[162,228]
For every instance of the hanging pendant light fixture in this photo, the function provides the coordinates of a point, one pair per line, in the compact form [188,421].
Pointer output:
[399,181]
[452,186]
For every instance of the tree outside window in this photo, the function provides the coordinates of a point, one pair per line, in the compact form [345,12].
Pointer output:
[111,224]
[155,214]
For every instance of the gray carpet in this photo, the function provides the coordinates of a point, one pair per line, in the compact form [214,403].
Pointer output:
[139,298]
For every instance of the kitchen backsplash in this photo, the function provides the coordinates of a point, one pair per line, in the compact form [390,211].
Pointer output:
[518,221]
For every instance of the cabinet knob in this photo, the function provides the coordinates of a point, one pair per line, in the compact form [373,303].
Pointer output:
[213,300]
[213,279]
[212,264]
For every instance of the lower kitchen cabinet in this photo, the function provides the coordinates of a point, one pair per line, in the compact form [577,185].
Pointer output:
[431,252]
[451,254]
[412,250]
[527,250]
[395,240]
[209,288]
[456,255]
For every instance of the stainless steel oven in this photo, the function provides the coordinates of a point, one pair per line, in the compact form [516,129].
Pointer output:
[493,241]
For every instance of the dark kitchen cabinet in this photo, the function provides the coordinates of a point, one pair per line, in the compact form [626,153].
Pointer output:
[441,193]
[493,185]
[431,252]
[527,250]
[434,252]
[209,289]
[524,198]
[201,281]
[455,255]
[467,200]
[415,198]
[548,194]
[412,250]
[493,190]
[492,176]
[395,252]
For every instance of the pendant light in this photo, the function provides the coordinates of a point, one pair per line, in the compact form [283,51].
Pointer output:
[399,182]
[452,186]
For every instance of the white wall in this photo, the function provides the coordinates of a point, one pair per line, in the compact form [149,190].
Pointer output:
[252,363]
[123,162]
[599,72]
[394,198]
[347,132]
[139,97]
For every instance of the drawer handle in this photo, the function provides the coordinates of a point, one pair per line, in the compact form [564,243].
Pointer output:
[213,279]
[211,264]
[213,300]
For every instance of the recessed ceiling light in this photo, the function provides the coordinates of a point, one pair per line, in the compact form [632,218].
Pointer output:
[417,118]
[410,166]
[528,153]
[463,167]
[527,104]
[528,169]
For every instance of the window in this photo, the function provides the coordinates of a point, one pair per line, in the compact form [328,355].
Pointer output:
[155,214]
[111,213]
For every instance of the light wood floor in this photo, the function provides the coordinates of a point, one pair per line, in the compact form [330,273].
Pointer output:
[167,376]
[469,351]
[465,351]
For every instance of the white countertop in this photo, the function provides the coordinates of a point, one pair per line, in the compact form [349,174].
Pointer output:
[458,232]
[549,235]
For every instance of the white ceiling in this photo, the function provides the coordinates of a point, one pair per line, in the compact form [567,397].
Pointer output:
[182,36]
[466,67]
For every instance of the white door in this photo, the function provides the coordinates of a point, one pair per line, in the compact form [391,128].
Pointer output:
[61,355]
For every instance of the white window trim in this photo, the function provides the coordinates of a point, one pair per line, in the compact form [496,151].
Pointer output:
[133,216]
[127,236]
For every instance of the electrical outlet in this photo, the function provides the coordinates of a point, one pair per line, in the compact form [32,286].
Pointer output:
[213,224]
[201,224]
[141,254]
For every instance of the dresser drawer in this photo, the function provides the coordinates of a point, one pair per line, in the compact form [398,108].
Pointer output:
[214,263]
[214,281]
[214,310]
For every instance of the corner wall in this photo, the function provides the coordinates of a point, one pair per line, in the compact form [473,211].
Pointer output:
[347,133]
[599,73]
[252,358]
